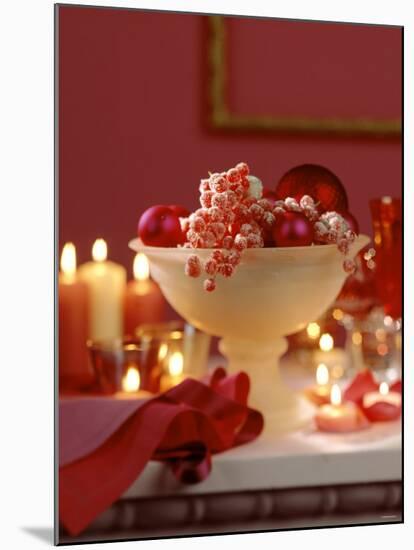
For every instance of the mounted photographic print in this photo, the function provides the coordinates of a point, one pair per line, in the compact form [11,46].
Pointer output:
[229,270]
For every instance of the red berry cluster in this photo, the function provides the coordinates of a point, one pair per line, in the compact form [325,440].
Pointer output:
[235,216]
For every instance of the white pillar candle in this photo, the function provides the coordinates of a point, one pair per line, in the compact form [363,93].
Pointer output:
[106,281]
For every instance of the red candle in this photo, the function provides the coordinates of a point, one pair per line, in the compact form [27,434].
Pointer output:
[144,302]
[339,417]
[382,405]
[75,371]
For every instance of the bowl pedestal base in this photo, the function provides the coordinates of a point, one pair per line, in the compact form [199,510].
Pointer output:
[282,408]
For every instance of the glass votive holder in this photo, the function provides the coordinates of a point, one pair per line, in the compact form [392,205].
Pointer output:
[128,366]
[183,349]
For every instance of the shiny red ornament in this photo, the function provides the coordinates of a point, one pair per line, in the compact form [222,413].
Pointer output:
[160,226]
[292,229]
[180,211]
[317,181]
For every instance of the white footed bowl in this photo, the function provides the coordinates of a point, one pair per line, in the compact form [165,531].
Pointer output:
[273,292]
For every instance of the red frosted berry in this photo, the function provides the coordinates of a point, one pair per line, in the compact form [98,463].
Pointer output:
[292,229]
[240,242]
[349,266]
[209,239]
[227,242]
[256,211]
[218,256]
[219,185]
[160,226]
[205,199]
[234,258]
[254,241]
[226,270]
[231,198]
[245,229]
[219,200]
[210,267]
[219,229]
[193,266]
[215,214]
[233,175]
[209,285]
[343,246]
[204,185]
[243,168]
[265,204]
[197,224]
[228,216]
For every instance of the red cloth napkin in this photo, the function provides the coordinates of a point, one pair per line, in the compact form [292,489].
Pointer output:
[105,443]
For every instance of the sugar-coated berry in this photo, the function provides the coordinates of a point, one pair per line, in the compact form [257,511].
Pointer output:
[204,185]
[243,168]
[233,175]
[254,241]
[227,242]
[219,200]
[256,211]
[226,270]
[209,285]
[292,205]
[205,199]
[197,224]
[215,214]
[240,242]
[193,266]
[219,229]
[245,229]
[210,267]
[255,189]
[218,256]
[234,258]
[209,239]
[349,266]
[219,185]
[265,204]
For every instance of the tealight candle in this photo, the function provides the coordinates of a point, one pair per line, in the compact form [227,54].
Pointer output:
[106,281]
[328,354]
[75,372]
[383,405]
[320,392]
[131,383]
[337,416]
[175,371]
[144,302]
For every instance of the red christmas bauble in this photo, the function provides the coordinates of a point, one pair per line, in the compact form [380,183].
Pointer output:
[160,226]
[180,211]
[352,221]
[292,229]
[320,183]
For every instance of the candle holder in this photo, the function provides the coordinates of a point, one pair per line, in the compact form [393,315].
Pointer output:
[178,337]
[127,366]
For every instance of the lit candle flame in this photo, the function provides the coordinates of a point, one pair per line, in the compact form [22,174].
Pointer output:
[99,250]
[384,389]
[336,395]
[326,342]
[313,330]
[176,364]
[132,380]
[141,267]
[322,375]
[162,352]
[68,259]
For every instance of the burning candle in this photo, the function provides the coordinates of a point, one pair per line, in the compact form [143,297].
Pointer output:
[131,384]
[329,355]
[383,405]
[106,281]
[144,302]
[319,393]
[175,373]
[339,417]
[75,372]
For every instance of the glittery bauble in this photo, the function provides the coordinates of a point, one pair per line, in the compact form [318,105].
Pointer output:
[292,229]
[320,183]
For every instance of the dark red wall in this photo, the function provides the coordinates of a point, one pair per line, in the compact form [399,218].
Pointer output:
[131,101]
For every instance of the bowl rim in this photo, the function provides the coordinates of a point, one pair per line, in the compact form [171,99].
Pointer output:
[137,245]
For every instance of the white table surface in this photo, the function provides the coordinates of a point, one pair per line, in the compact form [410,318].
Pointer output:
[304,458]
